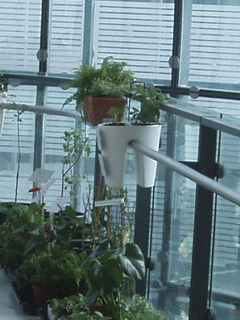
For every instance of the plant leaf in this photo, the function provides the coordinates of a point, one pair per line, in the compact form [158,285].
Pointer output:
[132,261]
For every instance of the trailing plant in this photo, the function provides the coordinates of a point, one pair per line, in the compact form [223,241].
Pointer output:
[75,146]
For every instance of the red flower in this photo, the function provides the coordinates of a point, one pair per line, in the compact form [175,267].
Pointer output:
[35,189]
[18,239]
[47,227]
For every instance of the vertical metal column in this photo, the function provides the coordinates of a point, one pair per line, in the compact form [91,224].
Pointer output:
[41,89]
[202,228]
[142,223]
[87,32]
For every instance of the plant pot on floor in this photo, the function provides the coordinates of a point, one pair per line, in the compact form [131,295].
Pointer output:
[113,141]
[42,294]
[96,109]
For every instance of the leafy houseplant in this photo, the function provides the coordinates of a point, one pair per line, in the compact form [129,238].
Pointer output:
[144,126]
[54,272]
[74,307]
[111,275]
[71,308]
[101,88]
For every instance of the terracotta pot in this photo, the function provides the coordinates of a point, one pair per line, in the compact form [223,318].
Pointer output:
[96,109]
[42,294]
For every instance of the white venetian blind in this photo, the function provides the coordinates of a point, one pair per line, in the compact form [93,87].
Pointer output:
[211,43]
[19,34]
[66,35]
[137,32]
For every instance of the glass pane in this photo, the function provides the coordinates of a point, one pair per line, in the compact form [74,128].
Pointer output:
[19,35]
[210,46]
[173,221]
[225,291]
[66,36]
[17,145]
[138,32]
[16,166]
[172,249]
[219,106]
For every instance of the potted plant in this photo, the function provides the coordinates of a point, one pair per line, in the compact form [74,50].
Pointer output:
[111,275]
[100,89]
[55,272]
[144,126]
[70,308]
[3,96]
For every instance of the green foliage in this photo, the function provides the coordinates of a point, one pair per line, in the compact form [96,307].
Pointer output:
[3,84]
[29,231]
[73,307]
[110,80]
[55,266]
[13,211]
[150,101]
[114,112]
[139,308]
[111,274]
[75,146]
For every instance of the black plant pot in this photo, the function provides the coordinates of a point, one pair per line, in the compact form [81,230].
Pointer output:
[24,289]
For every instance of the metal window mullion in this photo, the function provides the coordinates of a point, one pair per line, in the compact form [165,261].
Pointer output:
[40,99]
[202,228]
[177,31]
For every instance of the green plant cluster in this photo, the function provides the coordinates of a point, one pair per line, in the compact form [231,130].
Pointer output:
[150,100]
[74,308]
[3,84]
[110,80]
[27,230]
[75,146]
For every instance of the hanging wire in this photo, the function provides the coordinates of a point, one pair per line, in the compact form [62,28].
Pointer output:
[214,229]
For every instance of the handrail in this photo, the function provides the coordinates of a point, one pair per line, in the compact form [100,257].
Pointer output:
[188,172]
[175,165]
[40,109]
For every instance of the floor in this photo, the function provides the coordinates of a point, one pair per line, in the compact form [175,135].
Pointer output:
[9,306]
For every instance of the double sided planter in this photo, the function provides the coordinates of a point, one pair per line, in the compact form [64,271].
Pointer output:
[113,141]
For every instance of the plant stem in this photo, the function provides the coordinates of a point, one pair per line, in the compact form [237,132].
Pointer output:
[18,156]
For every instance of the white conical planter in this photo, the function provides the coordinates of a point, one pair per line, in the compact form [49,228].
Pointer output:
[3,99]
[113,141]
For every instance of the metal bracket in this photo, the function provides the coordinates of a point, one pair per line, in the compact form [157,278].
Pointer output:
[210,314]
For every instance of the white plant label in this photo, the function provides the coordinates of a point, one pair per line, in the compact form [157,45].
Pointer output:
[41,176]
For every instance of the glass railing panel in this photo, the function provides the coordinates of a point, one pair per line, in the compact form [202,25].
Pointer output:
[171,251]
[17,148]
[224,282]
